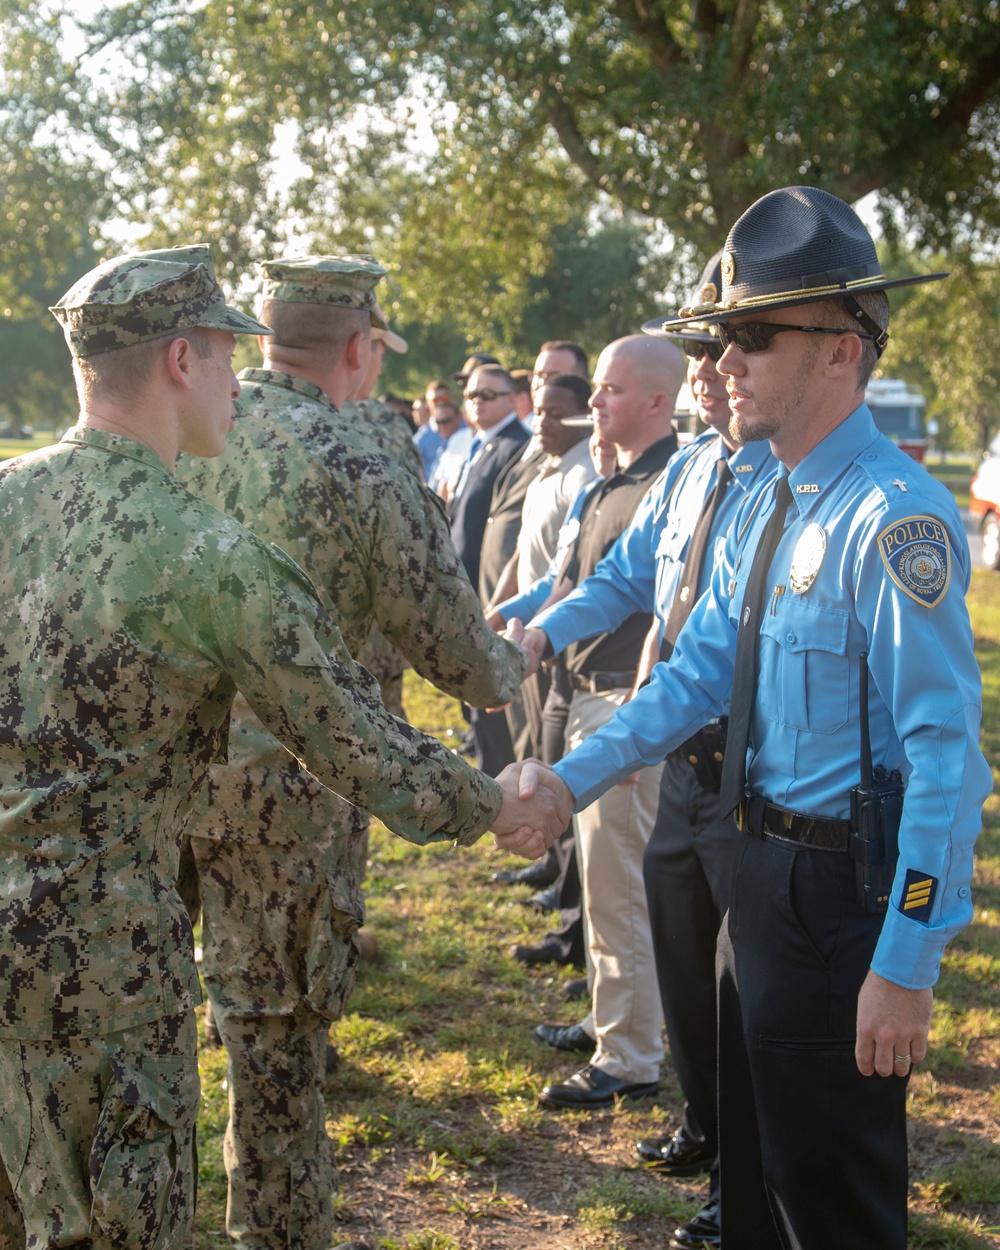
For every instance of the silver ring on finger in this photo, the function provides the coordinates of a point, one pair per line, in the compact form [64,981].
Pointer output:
[903,1058]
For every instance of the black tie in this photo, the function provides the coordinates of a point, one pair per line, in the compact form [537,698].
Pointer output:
[734,767]
[687,587]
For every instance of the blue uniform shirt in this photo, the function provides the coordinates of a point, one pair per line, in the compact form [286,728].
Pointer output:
[642,570]
[873,558]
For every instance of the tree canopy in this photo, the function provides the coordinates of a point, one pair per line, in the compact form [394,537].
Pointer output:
[468,144]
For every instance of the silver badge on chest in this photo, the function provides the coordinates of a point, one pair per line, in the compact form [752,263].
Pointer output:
[807,558]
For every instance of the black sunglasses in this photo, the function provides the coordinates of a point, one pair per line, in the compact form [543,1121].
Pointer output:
[694,349]
[756,336]
[486,395]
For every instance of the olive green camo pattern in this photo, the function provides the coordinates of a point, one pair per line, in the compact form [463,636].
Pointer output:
[336,281]
[126,1105]
[280,859]
[148,296]
[389,431]
[132,612]
[392,435]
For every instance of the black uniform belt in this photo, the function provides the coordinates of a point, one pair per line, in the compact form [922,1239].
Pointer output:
[705,751]
[766,820]
[600,683]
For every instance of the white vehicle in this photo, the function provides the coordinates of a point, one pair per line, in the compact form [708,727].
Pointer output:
[898,410]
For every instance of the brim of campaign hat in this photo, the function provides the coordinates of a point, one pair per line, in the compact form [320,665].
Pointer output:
[706,292]
[706,315]
[697,331]
[582,422]
[796,245]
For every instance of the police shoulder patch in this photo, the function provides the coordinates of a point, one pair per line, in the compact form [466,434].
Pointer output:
[917,554]
[917,898]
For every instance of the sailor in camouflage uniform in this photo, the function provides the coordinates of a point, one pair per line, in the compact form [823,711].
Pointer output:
[132,612]
[280,858]
[394,436]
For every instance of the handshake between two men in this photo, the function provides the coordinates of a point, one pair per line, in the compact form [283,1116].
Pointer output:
[537,804]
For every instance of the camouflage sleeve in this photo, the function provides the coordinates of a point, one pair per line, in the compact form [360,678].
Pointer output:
[288,658]
[426,605]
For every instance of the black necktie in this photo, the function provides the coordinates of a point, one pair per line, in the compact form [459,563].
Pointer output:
[687,587]
[734,766]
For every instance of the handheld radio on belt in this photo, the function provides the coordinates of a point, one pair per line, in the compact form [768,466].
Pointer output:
[876,810]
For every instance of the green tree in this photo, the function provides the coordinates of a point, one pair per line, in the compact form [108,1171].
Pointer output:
[683,113]
[945,341]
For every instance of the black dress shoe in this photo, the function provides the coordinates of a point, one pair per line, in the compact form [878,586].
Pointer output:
[565,1036]
[544,953]
[576,988]
[590,1087]
[538,874]
[702,1232]
[676,1156]
[545,900]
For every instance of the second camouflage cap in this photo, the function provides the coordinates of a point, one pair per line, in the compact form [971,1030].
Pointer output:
[132,299]
[343,281]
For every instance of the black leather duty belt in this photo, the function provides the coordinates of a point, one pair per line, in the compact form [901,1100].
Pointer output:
[765,820]
[705,751]
[601,683]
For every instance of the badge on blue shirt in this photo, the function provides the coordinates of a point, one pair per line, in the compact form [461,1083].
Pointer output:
[917,554]
[918,895]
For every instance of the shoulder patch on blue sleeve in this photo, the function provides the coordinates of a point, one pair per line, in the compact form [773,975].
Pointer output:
[917,898]
[917,554]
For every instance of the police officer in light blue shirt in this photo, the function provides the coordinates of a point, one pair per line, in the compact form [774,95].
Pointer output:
[852,593]
[687,864]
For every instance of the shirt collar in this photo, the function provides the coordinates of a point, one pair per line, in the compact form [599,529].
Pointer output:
[749,462]
[117,444]
[286,381]
[828,459]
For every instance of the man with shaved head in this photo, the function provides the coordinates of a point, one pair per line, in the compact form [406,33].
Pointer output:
[636,382]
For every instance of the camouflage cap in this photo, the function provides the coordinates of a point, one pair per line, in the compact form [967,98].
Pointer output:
[380,330]
[344,281]
[131,299]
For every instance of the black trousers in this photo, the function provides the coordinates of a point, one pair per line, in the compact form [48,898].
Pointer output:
[687,869]
[813,1153]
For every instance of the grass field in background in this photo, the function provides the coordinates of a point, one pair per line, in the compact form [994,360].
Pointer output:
[433,1112]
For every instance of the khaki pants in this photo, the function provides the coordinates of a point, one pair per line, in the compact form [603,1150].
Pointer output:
[97,1139]
[612,833]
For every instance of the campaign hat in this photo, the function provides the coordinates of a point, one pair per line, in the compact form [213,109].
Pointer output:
[797,245]
[339,281]
[148,295]
[706,292]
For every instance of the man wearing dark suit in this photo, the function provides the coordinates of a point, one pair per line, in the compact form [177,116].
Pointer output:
[499,438]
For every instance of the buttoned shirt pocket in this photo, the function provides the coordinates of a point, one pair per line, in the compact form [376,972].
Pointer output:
[804,678]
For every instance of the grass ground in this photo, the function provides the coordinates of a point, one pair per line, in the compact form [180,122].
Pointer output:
[440,1142]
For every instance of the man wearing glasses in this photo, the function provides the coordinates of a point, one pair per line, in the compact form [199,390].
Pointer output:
[498,436]
[836,627]
[665,560]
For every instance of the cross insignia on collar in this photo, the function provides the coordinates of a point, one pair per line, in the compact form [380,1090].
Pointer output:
[898,481]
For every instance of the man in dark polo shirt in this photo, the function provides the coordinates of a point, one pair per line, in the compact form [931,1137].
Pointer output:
[635,387]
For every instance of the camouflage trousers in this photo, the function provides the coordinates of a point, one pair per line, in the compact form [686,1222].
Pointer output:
[97,1139]
[278,926]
